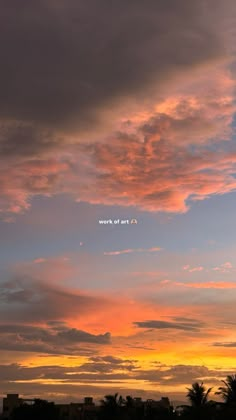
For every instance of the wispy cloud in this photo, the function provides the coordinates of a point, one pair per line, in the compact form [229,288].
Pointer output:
[39,260]
[132,250]
[184,324]
[207,285]
[224,268]
[225,344]
[192,269]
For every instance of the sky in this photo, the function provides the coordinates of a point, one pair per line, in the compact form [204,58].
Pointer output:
[117,197]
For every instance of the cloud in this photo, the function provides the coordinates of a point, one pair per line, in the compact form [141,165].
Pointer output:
[75,336]
[50,340]
[132,250]
[108,364]
[199,268]
[26,299]
[24,139]
[180,324]
[163,161]
[42,293]
[179,374]
[227,265]
[72,374]
[208,285]
[20,180]
[66,79]
[116,361]
[55,376]
[39,260]
[224,268]
[119,110]
[159,174]
[225,344]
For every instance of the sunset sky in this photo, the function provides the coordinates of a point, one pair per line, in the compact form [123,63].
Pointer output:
[117,109]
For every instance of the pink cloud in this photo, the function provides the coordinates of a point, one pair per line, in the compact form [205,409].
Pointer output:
[158,161]
[207,285]
[24,179]
[227,265]
[224,268]
[132,250]
[39,260]
[192,270]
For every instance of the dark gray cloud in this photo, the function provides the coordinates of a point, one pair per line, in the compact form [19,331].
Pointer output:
[107,364]
[31,338]
[184,324]
[73,374]
[76,336]
[64,61]
[29,383]
[67,376]
[112,360]
[23,139]
[179,374]
[24,299]
[33,318]
[225,344]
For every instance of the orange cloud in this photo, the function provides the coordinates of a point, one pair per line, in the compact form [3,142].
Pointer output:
[52,317]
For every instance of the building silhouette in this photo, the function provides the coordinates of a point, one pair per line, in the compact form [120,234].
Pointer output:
[86,410]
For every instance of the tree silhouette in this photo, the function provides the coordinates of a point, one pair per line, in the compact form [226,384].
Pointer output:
[200,408]
[115,407]
[111,406]
[133,410]
[129,401]
[228,392]
[198,395]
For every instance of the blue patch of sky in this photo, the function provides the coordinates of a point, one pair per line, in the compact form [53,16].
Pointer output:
[68,224]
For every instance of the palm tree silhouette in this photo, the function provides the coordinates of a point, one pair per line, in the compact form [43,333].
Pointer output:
[111,406]
[112,400]
[228,392]
[200,407]
[198,395]
[129,401]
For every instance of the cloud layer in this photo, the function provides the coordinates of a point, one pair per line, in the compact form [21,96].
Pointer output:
[75,58]
[131,108]
[161,166]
